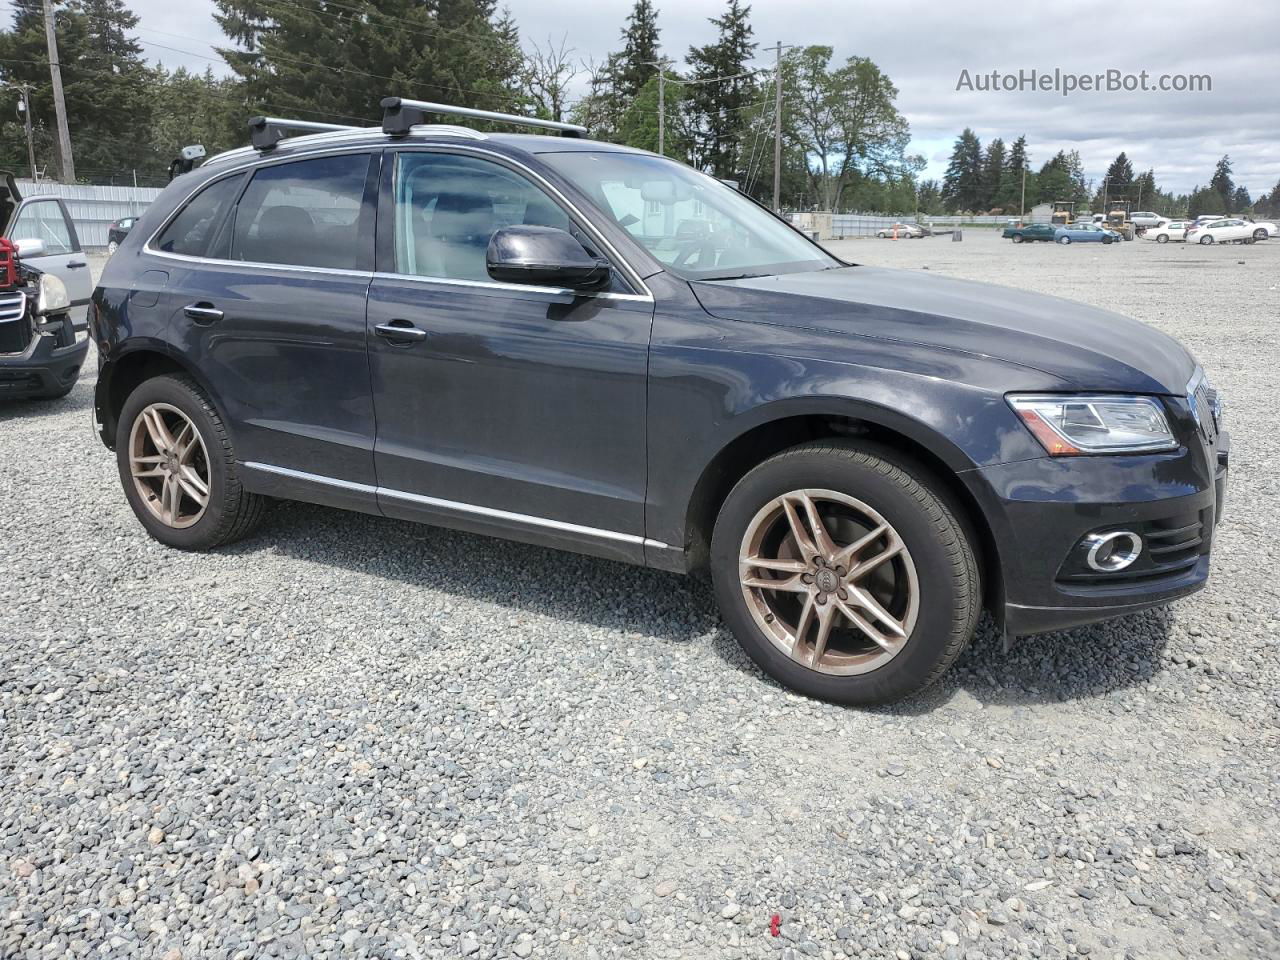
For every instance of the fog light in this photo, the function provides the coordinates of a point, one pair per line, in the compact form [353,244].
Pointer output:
[1109,552]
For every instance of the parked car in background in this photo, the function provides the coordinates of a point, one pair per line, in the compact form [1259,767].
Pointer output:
[907,231]
[1229,230]
[117,232]
[1144,219]
[46,239]
[1085,233]
[41,350]
[1172,230]
[1044,232]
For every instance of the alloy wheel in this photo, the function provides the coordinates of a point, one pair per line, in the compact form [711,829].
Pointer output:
[169,465]
[829,581]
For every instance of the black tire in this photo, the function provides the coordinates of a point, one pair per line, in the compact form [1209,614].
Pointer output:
[905,496]
[1162,238]
[1064,240]
[1260,234]
[1017,238]
[1207,238]
[231,512]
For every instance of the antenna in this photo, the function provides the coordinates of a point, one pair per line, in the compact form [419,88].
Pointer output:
[399,114]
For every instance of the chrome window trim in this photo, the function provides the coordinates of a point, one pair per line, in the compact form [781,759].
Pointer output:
[256,265]
[515,287]
[490,513]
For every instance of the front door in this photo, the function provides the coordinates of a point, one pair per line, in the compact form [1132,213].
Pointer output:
[501,407]
[46,219]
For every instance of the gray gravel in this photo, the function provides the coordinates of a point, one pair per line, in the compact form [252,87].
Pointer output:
[352,737]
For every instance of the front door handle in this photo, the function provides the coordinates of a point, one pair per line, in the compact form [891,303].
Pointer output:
[400,331]
[202,313]
[77,265]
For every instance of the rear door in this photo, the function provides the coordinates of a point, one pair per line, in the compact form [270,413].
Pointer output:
[46,219]
[271,311]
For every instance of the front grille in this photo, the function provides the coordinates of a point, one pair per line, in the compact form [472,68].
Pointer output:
[15,328]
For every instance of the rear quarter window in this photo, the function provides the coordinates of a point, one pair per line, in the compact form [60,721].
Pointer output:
[191,233]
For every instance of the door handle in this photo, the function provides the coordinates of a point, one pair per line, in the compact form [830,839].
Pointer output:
[78,265]
[400,331]
[203,313]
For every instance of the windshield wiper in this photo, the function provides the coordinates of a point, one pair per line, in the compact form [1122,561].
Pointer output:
[736,276]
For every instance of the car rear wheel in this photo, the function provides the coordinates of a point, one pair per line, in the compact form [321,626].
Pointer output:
[844,574]
[178,468]
[1162,238]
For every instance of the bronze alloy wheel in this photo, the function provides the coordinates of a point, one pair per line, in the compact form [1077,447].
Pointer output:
[829,581]
[169,465]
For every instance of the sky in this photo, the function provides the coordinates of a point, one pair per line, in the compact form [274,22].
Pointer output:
[925,46]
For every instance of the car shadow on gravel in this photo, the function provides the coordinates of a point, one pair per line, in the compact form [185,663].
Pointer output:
[80,398]
[1084,663]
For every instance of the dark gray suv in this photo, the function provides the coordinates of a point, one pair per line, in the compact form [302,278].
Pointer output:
[597,349]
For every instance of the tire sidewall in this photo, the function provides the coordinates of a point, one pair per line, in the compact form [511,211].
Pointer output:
[178,394]
[942,597]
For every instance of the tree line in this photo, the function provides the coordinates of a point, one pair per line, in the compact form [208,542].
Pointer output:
[844,140]
[1001,180]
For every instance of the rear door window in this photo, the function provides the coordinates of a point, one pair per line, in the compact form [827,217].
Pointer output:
[310,213]
[191,232]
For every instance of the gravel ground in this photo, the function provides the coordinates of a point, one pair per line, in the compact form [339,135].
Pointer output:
[352,737]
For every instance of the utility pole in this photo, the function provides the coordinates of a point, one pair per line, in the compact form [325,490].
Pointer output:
[1022,204]
[662,101]
[24,108]
[777,129]
[59,103]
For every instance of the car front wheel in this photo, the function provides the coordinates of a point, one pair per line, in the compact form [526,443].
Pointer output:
[844,574]
[178,468]
[1017,238]
[1162,238]
[1260,234]
[1206,239]
[1064,240]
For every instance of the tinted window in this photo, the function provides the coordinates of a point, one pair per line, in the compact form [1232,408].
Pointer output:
[191,232]
[310,213]
[43,221]
[447,207]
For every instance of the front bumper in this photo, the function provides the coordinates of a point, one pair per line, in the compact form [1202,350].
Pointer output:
[1041,510]
[44,369]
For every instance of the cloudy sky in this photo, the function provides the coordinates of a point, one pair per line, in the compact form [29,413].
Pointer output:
[924,46]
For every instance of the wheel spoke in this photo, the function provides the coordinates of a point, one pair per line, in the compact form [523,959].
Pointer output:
[890,645]
[190,476]
[157,430]
[846,554]
[802,628]
[171,498]
[821,538]
[866,566]
[142,473]
[185,442]
[802,538]
[781,565]
[789,585]
[192,487]
[826,618]
[866,601]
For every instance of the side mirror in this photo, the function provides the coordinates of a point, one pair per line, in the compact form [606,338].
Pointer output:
[543,255]
[30,247]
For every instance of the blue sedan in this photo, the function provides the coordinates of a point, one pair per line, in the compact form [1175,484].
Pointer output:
[1085,233]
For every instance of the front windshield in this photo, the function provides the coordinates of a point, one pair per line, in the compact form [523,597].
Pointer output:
[698,227]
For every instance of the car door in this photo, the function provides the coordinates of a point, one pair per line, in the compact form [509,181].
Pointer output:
[267,300]
[46,219]
[501,407]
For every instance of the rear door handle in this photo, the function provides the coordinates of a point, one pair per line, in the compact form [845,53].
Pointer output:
[77,265]
[400,331]
[203,313]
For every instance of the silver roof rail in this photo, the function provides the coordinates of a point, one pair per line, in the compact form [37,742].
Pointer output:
[266,132]
[399,115]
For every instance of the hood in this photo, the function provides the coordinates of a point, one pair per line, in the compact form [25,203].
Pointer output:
[1090,349]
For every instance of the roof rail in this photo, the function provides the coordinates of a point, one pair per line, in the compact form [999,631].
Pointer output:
[266,132]
[399,114]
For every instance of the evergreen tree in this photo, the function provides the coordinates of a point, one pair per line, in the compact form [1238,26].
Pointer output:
[715,105]
[1016,165]
[962,183]
[1055,182]
[635,63]
[1240,201]
[1222,184]
[993,164]
[1119,178]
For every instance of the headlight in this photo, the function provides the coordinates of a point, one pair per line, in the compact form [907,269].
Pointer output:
[52,297]
[1069,426]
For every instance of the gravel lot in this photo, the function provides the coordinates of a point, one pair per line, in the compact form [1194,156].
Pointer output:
[351,737]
